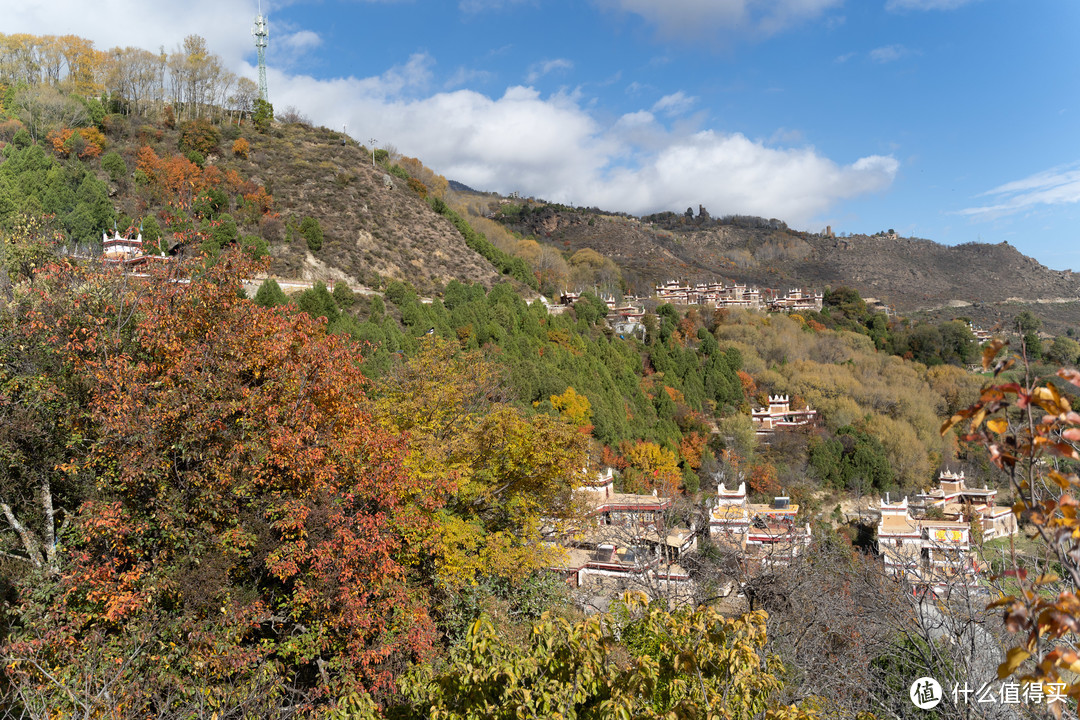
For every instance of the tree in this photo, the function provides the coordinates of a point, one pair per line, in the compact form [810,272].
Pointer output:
[503,472]
[199,135]
[113,164]
[270,294]
[651,467]
[262,115]
[245,507]
[574,408]
[1031,433]
[312,232]
[639,662]
[1063,351]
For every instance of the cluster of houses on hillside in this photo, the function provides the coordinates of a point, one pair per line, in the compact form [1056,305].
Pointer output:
[763,535]
[928,541]
[629,541]
[718,295]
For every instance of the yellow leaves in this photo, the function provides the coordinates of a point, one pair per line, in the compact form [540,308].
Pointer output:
[1013,660]
[998,425]
[1049,399]
[501,469]
[658,466]
[573,407]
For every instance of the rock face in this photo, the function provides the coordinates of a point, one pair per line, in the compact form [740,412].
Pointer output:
[910,274]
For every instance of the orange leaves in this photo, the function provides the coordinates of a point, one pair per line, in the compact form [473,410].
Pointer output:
[1022,426]
[748,385]
[260,200]
[241,147]
[763,479]
[231,444]
[692,447]
[58,139]
[175,179]
[87,142]
[95,142]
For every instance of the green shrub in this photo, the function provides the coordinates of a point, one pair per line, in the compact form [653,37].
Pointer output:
[196,157]
[151,232]
[223,231]
[312,232]
[210,203]
[262,115]
[344,296]
[113,164]
[270,294]
[254,246]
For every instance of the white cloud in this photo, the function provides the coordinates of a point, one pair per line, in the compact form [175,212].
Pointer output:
[302,40]
[676,103]
[889,53]
[902,5]
[539,70]
[464,76]
[1056,186]
[697,18]
[553,147]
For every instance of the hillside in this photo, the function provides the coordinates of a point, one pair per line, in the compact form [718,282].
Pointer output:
[371,229]
[908,273]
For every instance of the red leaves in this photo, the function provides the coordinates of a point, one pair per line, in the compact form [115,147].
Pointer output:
[234,459]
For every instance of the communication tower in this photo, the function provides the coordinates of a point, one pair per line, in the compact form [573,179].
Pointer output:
[261,33]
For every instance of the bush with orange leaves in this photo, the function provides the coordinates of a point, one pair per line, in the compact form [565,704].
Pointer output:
[1031,432]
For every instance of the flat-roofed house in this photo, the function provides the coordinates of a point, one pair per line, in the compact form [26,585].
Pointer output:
[763,534]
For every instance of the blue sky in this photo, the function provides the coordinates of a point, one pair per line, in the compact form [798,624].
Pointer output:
[954,120]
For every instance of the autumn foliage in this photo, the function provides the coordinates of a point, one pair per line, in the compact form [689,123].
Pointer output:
[1031,432]
[244,502]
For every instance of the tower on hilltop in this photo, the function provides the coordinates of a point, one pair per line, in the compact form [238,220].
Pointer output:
[261,33]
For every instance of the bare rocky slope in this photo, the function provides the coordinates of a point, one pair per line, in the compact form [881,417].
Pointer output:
[373,224]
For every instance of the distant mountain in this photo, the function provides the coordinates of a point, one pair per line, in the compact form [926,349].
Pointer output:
[461,187]
[377,226]
[910,274]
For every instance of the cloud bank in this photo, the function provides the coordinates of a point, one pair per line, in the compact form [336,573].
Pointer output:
[553,147]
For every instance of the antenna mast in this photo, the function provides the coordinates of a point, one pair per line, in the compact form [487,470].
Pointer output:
[261,33]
